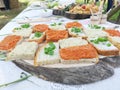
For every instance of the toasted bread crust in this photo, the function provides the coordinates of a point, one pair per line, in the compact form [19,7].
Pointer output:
[92,60]
[37,54]
[117,44]
[108,52]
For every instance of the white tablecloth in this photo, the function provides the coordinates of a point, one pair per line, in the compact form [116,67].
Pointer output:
[10,72]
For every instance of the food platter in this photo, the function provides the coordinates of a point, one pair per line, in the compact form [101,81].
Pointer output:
[76,16]
[75,11]
[70,76]
[66,53]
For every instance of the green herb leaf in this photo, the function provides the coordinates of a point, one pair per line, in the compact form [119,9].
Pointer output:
[102,39]
[17,28]
[108,44]
[52,45]
[50,50]
[54,24]
[96,41]
[38,34]
[16,81]
[76,30]
[60,23]
[27,25]
[94,26]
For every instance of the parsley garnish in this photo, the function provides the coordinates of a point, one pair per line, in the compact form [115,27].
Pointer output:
[17,28]
[54,24]
[76,30]
[27,25]
[50,50]
[103,40]
[38,34]
[108,44]
[94,26]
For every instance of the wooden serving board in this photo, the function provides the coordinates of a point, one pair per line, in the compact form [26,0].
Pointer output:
[74,75]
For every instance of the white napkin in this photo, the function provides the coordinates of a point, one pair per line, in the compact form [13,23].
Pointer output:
[9,72]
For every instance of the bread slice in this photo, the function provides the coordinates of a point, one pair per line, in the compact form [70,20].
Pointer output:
[55,35]
[39,40]
[43,59]
[115,41]
[85,60]
[9,42]
[77,34]
[24,32]
[95,33]
[73,41]
[79,54]
[105,48]
[25,51]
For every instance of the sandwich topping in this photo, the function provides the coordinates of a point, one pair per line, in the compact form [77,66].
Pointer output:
[76,30]
[78,52]
[50,49]
[95,27]
[24,26]
[40,28]
[101,40]
[9,42]
[27,25]
[55,35]
[73,24]
[37,35]
[113,32]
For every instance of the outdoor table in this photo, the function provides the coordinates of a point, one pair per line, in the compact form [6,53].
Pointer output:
[10,72]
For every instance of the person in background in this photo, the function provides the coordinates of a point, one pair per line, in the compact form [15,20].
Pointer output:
[7,4]
[110,4]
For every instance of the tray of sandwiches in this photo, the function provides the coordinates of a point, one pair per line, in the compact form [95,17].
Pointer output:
[66,53]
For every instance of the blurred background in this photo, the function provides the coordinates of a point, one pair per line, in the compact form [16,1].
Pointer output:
[12,8]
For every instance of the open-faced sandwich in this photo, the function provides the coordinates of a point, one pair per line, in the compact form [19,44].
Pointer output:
[38,37]
[55,35]
[40,28]
[24,30]
[76,32]
[77,50]
[9,42]
[95,31]
[114,37]
[24,51]
[57,26]
[104,46]
[48,54]
[79,54]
